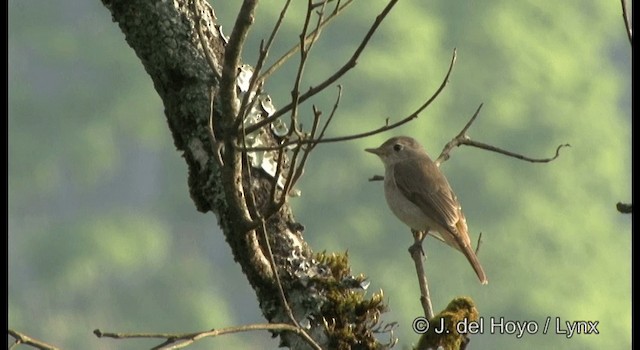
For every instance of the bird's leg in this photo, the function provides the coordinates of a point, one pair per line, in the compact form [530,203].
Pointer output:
[418,237]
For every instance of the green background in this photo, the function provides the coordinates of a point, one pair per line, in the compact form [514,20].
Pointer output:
[102,232]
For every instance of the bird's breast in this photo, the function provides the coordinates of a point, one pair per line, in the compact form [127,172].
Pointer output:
[404,209]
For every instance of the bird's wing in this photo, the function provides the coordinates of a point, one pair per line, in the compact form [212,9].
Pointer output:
[433,195]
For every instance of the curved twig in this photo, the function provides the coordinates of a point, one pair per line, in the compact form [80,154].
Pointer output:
[384,128]
[197,10]
[311,36]
[463,139]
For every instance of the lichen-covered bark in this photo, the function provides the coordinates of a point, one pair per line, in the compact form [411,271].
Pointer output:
[164,35]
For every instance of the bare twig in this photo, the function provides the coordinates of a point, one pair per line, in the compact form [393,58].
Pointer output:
[463,139]
[300,168]
[304,54]
[341,6]
[257,216]
[216,146]
[264,53]
[288,181]
[306,150]
[417,254]
[283,298]
[384,128]
[331,115]
[479,242]
[22,338]
[625,17]
[197,10]
[339,73]
[512,154]
[279,166]
[181,340]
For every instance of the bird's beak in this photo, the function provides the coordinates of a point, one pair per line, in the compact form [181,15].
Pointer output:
[376,151]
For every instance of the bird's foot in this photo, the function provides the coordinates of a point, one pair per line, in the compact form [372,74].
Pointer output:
[418,237]
[416,248]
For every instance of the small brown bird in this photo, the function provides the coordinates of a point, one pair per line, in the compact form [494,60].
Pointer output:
[420,196]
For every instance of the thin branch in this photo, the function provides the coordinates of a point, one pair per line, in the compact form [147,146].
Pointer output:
[22,338]
[417,254]
[216,146]
[339,73]
[455,142]
[625,17]
[283,298]
[253,208]
[264,53]
[463,139]
[197,10]
[288,181]
[312,36]
[232,54]
[304,54]
[331,115]
[479,242]
[305,154]
[279,166]
[295,172]
[384,128]
[181,340]
[309,148]
[512,154]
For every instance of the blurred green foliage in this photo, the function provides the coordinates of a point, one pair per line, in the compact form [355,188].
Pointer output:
[103,234]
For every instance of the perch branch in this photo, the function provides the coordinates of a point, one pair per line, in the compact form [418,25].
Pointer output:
[417,254]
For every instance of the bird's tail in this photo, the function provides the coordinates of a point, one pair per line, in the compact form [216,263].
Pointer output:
[475,263]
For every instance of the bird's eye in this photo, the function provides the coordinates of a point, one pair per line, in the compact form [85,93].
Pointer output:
[397,147]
